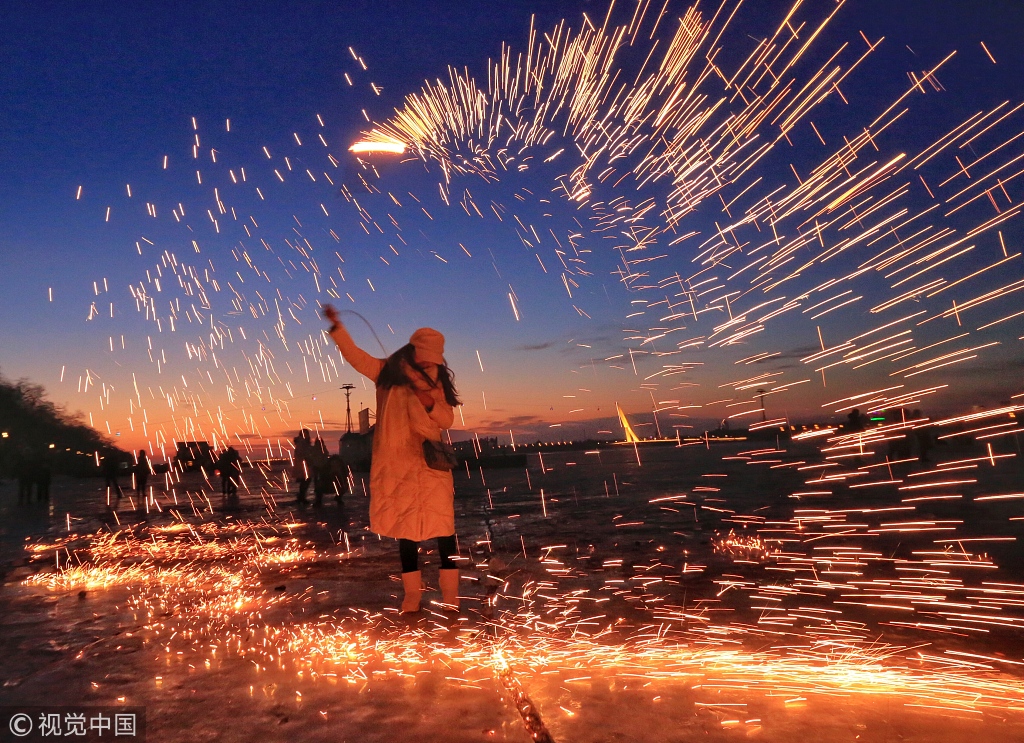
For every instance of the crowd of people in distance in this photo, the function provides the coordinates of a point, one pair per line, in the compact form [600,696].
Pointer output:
[914,443]
[33,469]
[313,466]
[139,470]
[113,465]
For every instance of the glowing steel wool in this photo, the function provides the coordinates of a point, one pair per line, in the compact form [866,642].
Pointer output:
[391,147]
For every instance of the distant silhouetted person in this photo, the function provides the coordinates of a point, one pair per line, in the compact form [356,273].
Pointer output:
[854,421]
[320,464]
[23,471]
[111,469]
[33,471]
[230,466]
[923,437]
[899,446]
[332,478]
[42,476]
[302,470]
[142,470]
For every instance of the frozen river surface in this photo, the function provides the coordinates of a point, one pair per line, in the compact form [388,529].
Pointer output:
[742,591]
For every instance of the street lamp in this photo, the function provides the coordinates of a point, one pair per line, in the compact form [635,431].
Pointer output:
[348,406]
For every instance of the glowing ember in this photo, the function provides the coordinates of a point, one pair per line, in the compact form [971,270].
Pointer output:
[368,147]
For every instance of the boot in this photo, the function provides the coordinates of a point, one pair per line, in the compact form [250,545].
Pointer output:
[413,588]
[448,579]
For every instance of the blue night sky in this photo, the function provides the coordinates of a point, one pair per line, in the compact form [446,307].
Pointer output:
[96,95]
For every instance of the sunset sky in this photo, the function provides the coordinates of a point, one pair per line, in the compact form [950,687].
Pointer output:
[102,211]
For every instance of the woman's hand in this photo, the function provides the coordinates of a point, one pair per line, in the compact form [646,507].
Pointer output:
[331,314]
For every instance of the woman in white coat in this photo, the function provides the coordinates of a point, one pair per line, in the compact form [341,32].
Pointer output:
[409,501]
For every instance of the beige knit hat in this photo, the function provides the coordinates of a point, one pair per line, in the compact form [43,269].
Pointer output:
[429,345]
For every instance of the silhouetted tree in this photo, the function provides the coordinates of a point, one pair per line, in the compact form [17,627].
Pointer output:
[31,426]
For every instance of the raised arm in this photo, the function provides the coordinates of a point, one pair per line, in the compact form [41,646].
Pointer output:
[367,365]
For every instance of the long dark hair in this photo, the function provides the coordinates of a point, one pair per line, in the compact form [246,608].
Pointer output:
[394,374]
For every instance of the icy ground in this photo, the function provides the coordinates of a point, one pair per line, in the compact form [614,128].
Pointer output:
[620,606]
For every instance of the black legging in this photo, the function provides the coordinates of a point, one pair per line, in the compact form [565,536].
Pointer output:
[409,552]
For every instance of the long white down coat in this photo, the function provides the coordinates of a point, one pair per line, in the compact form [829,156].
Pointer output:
[408,500]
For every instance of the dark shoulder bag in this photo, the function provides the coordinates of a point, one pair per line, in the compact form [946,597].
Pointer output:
[439,455]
